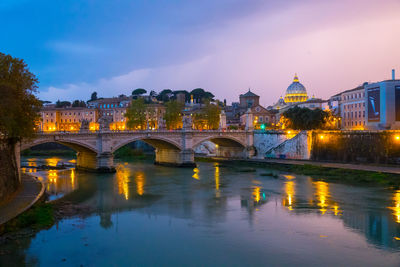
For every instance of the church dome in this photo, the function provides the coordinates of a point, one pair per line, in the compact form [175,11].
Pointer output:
[296,92]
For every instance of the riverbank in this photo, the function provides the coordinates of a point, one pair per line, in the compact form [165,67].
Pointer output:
[334,172]
[31,191]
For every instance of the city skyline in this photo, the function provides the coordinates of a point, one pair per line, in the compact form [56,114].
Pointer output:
[224,47]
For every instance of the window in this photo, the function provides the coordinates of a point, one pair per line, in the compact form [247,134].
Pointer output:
[108,106]
[261,119]
[363,114]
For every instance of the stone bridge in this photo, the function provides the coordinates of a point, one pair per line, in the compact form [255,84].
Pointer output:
[95,149]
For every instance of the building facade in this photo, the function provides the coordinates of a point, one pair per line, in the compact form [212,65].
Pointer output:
[383,105]
[352,108]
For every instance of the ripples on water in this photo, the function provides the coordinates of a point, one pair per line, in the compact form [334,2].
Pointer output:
[214,215]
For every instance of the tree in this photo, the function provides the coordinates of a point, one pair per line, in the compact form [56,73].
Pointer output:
[138,91]
[208,117]
[19,114]
[304,118]
[93,96]
[62,104]
[136,115]
[153,93]
[212,115]
[164,95]
[19,107]
[79,103]
[173,116]
[201,96]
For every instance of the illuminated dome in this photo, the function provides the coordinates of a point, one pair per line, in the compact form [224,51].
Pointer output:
[296,92]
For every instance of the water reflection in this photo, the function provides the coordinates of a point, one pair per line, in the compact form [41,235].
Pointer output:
[322,195]
[225,207]
[289,192]
[123,180]
[396,208]
[57,182]
[53,161]
[196,174]
[140,182]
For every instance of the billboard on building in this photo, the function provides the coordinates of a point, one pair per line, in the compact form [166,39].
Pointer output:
[397,102]
[374,104]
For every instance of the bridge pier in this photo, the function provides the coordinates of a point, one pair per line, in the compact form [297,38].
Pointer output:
[173,157]
[89,161]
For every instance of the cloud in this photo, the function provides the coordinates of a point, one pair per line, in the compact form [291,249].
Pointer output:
[331,47]
[73,47]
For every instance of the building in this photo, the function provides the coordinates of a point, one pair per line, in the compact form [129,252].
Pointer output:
[352,108]
[109,109]
[249,103]
[295,94]
[314,103]
[383,104]
[67,119]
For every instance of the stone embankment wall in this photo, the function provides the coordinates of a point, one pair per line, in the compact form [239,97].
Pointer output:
[9,170]
[281,144]
[356,146]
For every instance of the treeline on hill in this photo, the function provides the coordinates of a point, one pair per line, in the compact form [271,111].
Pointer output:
[199,96]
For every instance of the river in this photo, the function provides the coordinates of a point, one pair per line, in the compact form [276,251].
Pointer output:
[216,215]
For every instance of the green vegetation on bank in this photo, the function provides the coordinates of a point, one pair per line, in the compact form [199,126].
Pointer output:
[40,216]
[318,172]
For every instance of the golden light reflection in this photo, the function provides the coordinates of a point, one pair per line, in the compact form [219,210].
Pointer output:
[32,163]
[217,176]
[290,192]
[123,180]
[140,182]
[196,174]
[289,177]
[256,194]
[52,161]
[73,179]
[322,194]
[396,208]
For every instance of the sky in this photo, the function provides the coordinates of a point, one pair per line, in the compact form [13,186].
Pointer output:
[225,46]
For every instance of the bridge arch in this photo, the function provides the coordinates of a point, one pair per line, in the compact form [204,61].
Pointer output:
[222,141]
[73,144]
[156,142]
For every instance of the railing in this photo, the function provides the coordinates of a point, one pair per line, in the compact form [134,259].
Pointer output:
[139,131]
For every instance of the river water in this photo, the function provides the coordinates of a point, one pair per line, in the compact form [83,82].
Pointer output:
[215,215]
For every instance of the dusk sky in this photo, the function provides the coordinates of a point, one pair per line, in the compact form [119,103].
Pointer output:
[225,46]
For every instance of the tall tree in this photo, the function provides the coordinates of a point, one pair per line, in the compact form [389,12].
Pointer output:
[212,113]
[79,103]
[304,118]
[62,104]
[19,106]
[19,114]
[208,117]
[93,96]
[138,91]
[164,95]
[173,115]
[136,115]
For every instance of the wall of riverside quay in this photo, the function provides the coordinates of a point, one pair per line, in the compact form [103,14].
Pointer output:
[282,144]
[9,170]
[356,146]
